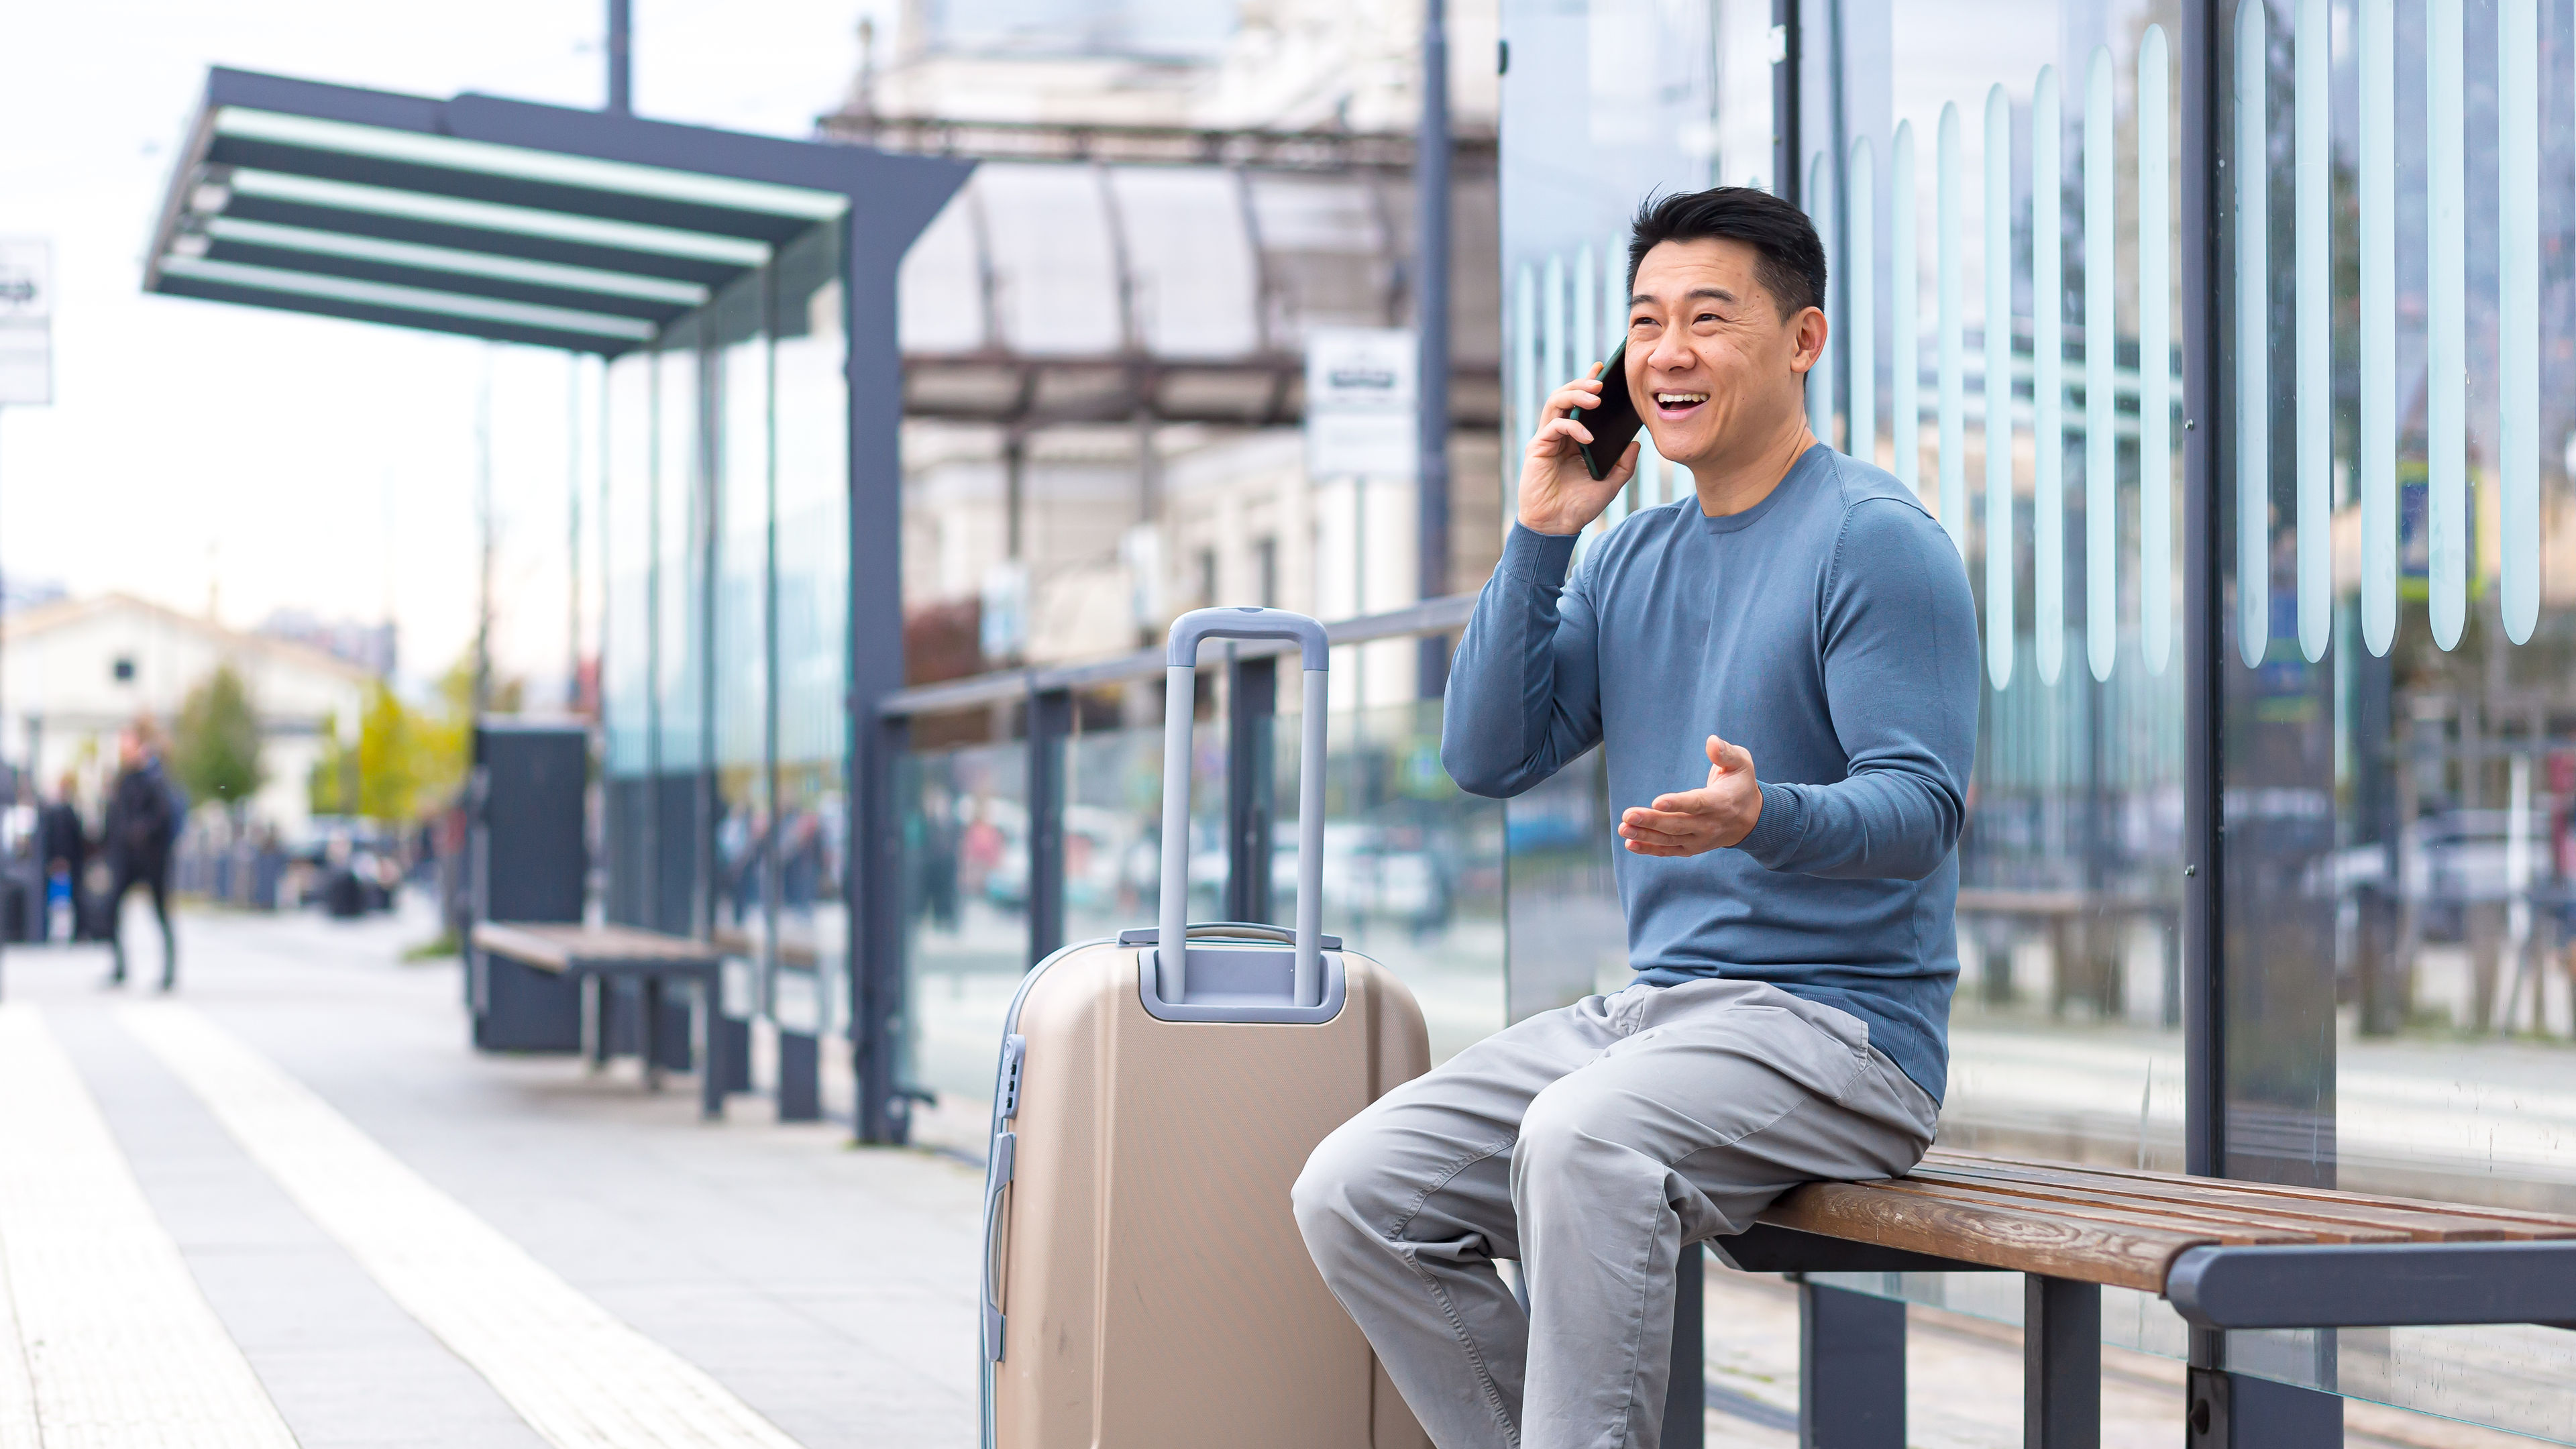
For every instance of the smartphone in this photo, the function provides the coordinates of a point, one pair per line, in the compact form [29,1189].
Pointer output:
[1615,422]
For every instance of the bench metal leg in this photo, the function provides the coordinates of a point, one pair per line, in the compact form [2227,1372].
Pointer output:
[707,1026]
[2061,1364]
[594,1020]
[1686,1390]
[800,1078]
[2236,1411]
[650,991]
[1851,1370]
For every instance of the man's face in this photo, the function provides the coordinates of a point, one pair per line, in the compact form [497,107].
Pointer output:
[1710,359]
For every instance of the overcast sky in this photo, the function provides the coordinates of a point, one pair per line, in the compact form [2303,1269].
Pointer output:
[267,460]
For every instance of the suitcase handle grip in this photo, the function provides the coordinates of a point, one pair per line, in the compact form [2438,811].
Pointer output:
[1171,958]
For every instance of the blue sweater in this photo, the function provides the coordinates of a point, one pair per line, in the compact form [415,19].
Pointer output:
[1829,631]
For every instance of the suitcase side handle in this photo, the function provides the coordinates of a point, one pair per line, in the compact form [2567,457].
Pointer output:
[1171,967]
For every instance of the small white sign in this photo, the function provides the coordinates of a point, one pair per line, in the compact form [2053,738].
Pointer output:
[26,322]
[1360,402]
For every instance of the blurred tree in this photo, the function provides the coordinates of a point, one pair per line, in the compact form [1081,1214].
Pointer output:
[406,761]
[215,744]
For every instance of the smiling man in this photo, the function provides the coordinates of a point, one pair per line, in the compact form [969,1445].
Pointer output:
[1782,674]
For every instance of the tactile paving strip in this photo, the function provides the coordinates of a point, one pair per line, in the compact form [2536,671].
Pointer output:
[114,1346]
[580,1377]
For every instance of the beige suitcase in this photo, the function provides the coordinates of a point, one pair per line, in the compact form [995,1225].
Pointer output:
[1144,1283]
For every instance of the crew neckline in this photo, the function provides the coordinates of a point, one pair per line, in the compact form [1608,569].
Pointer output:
[1738,522]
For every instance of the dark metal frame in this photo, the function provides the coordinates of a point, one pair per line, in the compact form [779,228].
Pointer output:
[890,199]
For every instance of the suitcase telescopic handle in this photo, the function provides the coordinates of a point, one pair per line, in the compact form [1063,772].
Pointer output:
[1180,668]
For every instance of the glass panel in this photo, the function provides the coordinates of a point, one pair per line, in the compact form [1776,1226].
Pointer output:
[966,928]
[626,523]
[679,555]
[744,827]
[2397,813]
[812,602]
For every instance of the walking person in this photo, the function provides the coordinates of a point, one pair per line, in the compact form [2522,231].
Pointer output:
[1782,673]
[62,843]
[143,820]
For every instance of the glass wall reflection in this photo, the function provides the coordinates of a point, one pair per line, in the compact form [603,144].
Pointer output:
[1413,874]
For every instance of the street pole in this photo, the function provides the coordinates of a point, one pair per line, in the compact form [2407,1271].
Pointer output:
[1431,324]
[621,46]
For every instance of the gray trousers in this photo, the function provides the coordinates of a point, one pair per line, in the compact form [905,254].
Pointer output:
[1589,1144]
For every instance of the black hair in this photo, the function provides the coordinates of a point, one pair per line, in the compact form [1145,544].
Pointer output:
[1792,261]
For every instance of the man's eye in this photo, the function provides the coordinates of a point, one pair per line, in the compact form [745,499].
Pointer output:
[1707,317]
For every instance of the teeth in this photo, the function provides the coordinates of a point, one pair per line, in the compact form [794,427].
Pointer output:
[1677,399]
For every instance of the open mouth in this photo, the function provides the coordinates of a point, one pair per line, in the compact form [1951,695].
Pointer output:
[1677,404]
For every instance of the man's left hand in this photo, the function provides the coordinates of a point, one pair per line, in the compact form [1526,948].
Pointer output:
[1691,822]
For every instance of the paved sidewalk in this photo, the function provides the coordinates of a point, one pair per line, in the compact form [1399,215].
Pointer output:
[309,1129]
[828,1288]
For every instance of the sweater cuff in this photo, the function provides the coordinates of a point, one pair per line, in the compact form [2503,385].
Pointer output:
[1776,834]
[1539,558]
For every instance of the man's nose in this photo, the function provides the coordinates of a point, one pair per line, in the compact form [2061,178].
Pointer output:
[1669,355]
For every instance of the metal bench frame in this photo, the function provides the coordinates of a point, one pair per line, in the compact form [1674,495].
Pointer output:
[1851,1345]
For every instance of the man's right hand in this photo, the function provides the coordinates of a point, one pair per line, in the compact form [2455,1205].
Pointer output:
[1558,494]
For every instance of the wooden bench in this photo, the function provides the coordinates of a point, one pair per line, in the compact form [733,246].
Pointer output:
[650,957]
[2225,1254]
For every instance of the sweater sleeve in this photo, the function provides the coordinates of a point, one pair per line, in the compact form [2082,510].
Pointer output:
[1899,635]
[1524,687]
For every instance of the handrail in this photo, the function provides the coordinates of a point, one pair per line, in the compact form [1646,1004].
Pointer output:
[1003,685]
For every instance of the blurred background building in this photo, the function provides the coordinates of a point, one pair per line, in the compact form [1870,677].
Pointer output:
[1104,335]
[77,672]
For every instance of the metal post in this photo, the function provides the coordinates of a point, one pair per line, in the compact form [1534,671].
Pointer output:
[621,47]
[1686,1390]
[1050,722]
[1784,100]
[1431,327]
[2234,1411]
[1851,1370]
[875,850]
[2204,974]
[2061,1357]
[1251,724]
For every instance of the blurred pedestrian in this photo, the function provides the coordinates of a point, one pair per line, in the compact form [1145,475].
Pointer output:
[143,819]
[62,844]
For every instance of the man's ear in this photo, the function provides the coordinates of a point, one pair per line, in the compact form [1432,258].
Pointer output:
[1807,330]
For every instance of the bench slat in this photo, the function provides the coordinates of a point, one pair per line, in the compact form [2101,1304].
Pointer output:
[2355,1224]
[2230,1226]
[2532,1224]
[1997,1236]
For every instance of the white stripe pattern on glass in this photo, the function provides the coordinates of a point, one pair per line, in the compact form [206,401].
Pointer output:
[1820,374]
[2101,271]
[2378,441]
[1999,428]
[2155,352]
[115,1344]
[2446,320]
[1860,305]
[2048,374]
[2253,341]
[581,1377]
[1952,454]
[1905,320]
[1553,364]
[2313,238]
[2518,311]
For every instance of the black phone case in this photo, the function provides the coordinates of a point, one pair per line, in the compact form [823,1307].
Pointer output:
[1614,424]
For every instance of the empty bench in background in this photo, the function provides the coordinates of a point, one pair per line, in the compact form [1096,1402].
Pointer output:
[2225,1254]
[652,958]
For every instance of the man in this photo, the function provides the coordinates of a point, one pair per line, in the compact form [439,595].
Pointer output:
[1801,635]
[64,843]
[143,820]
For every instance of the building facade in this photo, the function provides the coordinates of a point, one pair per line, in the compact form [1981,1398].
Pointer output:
[75,673]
